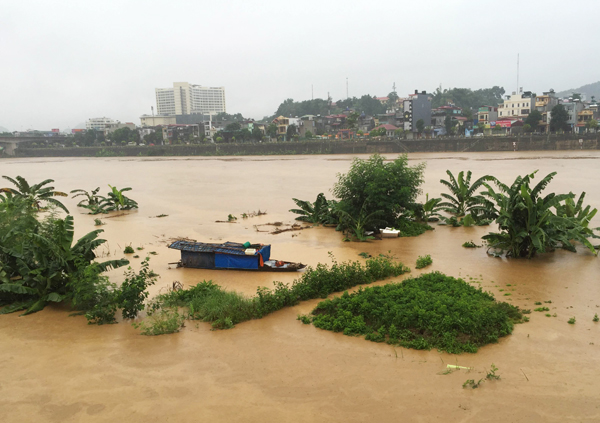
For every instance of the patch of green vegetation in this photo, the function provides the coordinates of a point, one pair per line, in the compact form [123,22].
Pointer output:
[208,302]
[538,303]
[596,319]
[231,218]
[154,253]
[470,244]
[98,222]
[430,311]
[490,375]
[423,261]
[139,248]
[541,309]
[571,321]
[128,250]
[162,322]
[364,255]
[410,228]
[527,223]
[507,294]
[526,311]
[136,256]
[162,215]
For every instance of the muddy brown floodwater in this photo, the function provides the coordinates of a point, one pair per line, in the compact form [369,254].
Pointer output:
[56,368]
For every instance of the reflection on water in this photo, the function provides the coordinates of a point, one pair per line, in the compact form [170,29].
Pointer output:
[56,368]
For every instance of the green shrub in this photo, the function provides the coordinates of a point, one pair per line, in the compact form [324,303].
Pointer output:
[162,322]
[596,319]
[93,295]
[470,244]
[571,321]
[423,261]
[132,292]
[431,311]
[129,250]
[410,228]
[208,302]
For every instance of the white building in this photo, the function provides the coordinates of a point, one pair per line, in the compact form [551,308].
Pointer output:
[517,106]
[98,124]
[186,99]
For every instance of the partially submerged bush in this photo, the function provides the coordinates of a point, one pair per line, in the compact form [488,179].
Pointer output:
[431,311]
[423,261]
[208,302]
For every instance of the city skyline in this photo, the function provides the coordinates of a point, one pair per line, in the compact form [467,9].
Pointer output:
[56,79]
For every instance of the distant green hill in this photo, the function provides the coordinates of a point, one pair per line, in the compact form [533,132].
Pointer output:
[589,90]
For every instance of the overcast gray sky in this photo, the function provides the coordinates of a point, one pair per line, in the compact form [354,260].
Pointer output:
[62,62]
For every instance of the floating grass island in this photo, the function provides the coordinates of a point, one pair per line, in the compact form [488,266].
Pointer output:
[430,311]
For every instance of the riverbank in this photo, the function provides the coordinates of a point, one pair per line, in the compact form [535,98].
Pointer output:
[383,146]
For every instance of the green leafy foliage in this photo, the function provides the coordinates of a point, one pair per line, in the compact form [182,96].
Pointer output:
[36,195]
[430,311]
[423,261]
[596,318]
[161,322]
[39,256]
[470,244]
[318,212]
[528,225]
[462,198]
[374,185]
[571,321]
[208,302]
[133,291]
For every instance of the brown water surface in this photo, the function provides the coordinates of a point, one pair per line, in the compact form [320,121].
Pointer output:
[55,368]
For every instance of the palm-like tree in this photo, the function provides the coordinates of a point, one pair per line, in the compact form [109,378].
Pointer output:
[462,198]
[528,225]
[42,265]
[314,213]
[34,195]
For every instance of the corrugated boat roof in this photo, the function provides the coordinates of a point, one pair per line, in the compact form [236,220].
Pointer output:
[228,247]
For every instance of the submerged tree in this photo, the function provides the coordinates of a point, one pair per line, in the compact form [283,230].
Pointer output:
[527,224]
[35,195]
[462,198]
[374,185]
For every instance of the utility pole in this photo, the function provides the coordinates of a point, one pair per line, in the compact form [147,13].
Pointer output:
[517,73]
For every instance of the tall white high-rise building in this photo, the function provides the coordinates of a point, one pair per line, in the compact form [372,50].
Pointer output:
[187,99]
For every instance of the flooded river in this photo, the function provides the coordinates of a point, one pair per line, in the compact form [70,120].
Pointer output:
[56,368]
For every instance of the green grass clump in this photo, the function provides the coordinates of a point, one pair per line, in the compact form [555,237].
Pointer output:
[128,250]
[208,302]
[423,261]
[595,319]
[409,228]
[571,321]
[541,309]
[430,311]
[161,322]
[470,244]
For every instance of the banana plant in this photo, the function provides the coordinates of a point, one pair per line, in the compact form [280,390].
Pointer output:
[116,200]
[44,262]
[526,221]
[36,194]
[314,213]
[431,209]
[462,198]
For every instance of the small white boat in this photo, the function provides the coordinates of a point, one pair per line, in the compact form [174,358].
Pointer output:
[390,233]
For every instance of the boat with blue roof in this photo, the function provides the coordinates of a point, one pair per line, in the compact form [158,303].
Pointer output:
[231,256]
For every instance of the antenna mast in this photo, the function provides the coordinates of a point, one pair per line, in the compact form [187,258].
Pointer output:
[517,73]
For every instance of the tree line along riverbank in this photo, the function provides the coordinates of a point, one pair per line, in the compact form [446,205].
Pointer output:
[383,146]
